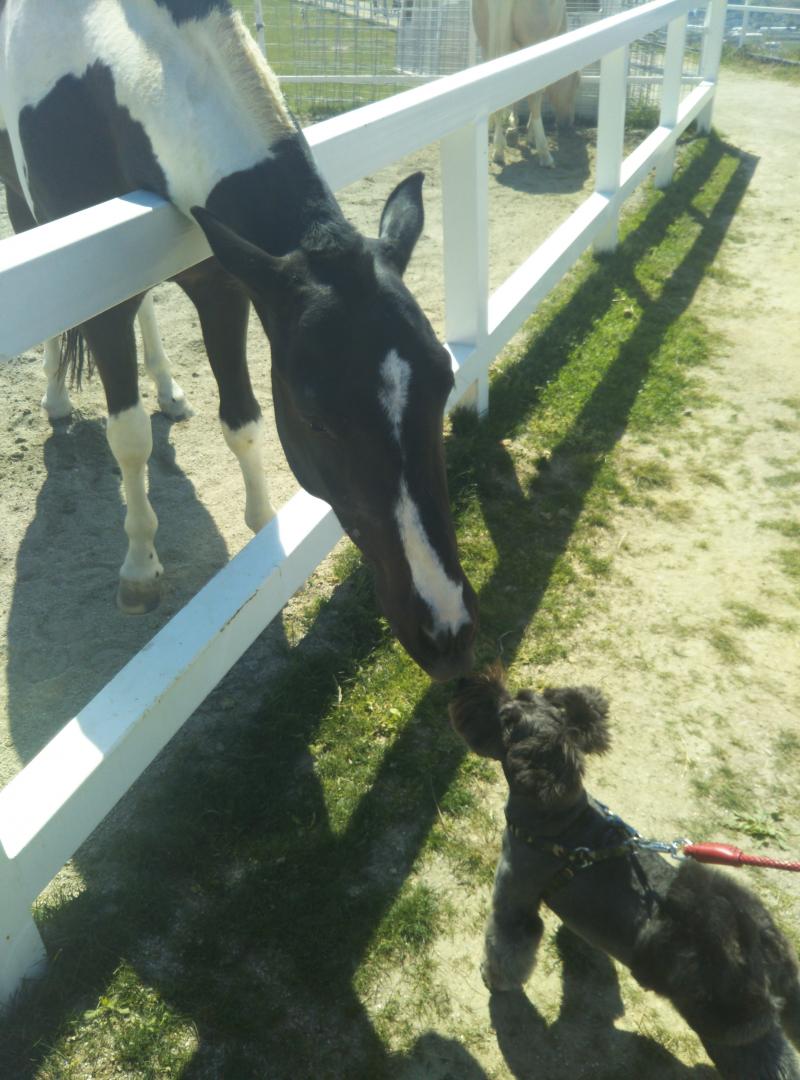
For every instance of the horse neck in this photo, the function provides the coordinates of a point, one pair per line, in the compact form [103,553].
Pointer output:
[282,202]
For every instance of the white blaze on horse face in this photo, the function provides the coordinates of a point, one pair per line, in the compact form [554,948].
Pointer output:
[396,375]
[167,76]
[444,597]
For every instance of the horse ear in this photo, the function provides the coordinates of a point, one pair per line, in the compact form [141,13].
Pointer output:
[253,266]
[401,221]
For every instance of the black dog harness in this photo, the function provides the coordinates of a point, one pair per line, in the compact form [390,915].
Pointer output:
[575,859]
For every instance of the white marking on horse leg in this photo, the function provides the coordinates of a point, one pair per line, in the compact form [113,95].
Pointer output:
[444,597]
[171,398]
[56,402]
[536,128]
[395,374]
[246,443]
[130,437]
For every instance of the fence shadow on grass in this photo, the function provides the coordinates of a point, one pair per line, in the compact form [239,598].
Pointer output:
[249,912]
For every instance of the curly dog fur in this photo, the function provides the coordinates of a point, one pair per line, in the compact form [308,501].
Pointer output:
[690,933]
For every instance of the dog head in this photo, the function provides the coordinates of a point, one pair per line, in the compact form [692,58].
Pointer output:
[541,739]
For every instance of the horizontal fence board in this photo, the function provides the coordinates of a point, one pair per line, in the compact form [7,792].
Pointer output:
[354,144]
[122,247]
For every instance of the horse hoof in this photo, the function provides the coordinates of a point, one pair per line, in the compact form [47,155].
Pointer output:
[57,408]
[176,407]
[138,597]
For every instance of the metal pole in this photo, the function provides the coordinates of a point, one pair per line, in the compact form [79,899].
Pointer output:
[259,14]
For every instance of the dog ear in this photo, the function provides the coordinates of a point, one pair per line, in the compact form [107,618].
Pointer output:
[586,713]
[474,712]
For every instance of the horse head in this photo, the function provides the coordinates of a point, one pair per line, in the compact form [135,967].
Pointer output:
[359,385]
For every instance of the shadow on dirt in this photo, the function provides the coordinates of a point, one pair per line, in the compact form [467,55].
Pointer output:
[570,150]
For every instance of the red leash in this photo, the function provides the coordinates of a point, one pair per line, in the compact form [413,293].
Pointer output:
[721,854]
[728,855]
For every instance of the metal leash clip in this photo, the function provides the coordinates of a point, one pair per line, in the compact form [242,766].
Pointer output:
[665,847]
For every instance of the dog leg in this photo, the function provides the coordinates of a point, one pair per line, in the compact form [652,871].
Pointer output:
[513,932]
[767,1058]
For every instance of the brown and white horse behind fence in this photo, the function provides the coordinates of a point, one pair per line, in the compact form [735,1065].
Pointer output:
[503,26]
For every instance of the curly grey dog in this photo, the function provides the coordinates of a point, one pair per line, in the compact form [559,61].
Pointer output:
[689,933]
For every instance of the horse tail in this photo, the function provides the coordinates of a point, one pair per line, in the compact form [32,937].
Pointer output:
[75,357]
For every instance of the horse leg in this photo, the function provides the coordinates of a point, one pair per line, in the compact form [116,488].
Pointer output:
[111,338]
[223,308]
[499,152]
[55,402]
[562,96]
[171,398]
[536,129]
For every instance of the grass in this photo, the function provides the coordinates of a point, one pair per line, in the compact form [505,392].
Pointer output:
[331,42]
[257,905]
[744,60]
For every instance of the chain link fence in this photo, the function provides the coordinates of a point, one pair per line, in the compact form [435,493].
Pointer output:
[333,55]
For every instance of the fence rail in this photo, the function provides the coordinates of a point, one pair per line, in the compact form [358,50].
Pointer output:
[57,800]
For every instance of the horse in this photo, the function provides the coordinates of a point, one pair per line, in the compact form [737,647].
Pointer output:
[102,97]
[502,26]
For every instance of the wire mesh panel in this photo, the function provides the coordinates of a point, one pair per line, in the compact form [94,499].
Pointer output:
[333,55]
[645,64]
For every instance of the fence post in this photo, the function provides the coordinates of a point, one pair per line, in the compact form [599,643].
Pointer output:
[465,222]
[610,136]
[22,953]
[745,24]
[671,94]
[709,60]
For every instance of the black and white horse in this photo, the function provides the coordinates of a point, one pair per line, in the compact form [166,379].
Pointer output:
[101,97]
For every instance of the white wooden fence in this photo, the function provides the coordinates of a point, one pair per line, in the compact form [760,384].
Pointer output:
[70,267]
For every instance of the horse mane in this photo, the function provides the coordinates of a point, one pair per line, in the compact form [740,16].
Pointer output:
[251,76]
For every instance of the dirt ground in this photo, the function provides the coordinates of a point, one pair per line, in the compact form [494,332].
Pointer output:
[652,646]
